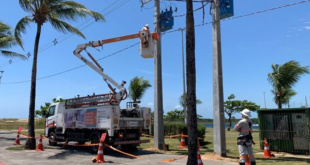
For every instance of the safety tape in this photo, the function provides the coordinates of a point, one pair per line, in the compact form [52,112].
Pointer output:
[170,136]
[187,136]
[173,136]
[28,137]
[123,152]
[171,160]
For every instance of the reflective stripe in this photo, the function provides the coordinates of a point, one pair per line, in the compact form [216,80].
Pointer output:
[245,130]
[266,148]
[198,152]
[182,140]
[100,144]
[39,142]
[100,152]
[199,161]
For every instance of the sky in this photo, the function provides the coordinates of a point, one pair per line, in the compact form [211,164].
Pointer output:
[250,45]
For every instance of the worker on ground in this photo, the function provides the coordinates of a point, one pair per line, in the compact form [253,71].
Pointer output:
[245,139]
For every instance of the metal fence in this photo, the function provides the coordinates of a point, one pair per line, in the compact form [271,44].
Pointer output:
[286,130]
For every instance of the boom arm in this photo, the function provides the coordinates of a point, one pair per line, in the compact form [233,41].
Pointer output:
[142,35]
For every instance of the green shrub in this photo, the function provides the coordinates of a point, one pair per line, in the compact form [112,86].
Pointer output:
[179,128]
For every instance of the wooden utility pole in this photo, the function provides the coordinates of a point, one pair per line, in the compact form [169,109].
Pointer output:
[158,90]
[218,101]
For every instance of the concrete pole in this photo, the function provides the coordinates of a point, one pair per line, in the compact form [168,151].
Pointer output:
[184,89]
[158,90]
[218,103]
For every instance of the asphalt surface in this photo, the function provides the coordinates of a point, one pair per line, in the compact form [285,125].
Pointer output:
[81,155]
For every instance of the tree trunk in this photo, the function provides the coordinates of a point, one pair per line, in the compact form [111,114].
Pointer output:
[229,122]
[31,142]
[279,99]
[191,85]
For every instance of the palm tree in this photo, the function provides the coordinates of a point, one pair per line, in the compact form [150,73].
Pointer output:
[284,77]
[137,88]
[287,93]
[191,85]
[55,12]
[8,41]
[183,104]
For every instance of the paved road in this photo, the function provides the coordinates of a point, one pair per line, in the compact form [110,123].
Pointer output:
[80,155]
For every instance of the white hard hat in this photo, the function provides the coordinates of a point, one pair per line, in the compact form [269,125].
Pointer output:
[146,25]
[246,112]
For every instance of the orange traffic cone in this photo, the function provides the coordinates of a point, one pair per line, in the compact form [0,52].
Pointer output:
[40,145]
[199,161]
[247,160]
[182,143]
[100,154]
[267,153]
[17,142]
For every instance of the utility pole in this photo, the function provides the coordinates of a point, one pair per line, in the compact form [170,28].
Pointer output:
[158,90]
[306,101]
[264,100]
[184,93]
[218,101]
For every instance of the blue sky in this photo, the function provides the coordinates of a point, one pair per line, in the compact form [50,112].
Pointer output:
[250,45]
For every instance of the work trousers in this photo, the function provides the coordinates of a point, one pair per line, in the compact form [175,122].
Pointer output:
[243,151]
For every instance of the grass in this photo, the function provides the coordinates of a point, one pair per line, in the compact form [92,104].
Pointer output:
[206,150]
[14,124]
[16,148]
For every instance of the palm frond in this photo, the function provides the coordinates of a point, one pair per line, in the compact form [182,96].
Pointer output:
[138,87]
[13,55]
[7,42]
[21,28]
[26,5]
[64,27]
[72,11]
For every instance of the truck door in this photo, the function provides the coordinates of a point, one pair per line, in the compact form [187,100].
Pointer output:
[50,120]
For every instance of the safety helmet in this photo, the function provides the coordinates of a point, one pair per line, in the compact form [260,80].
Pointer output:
[146,25]
[246,112]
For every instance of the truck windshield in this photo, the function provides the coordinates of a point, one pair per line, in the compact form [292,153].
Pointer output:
[51,111]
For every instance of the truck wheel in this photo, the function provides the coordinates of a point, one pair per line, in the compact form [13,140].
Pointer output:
[94,140]
[52,137]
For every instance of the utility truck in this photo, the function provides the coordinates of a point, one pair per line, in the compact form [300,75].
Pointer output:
[83,119]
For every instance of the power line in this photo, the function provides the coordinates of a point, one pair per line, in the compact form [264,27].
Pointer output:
[51,44]
[245,15]
[74,67]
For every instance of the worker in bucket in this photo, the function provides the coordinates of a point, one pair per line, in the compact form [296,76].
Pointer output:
[145,40]
[245,139]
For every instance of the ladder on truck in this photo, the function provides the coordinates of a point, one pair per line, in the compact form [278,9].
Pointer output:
[91,100]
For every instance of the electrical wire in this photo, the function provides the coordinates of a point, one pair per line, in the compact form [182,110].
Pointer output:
[230,18]
[246,15]
[59,40]
[74,67]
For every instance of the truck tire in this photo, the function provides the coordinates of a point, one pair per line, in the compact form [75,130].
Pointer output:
[94,140]
[52,137]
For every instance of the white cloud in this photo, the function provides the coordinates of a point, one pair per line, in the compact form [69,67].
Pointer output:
[177,106]
[307,27]
[150,104]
